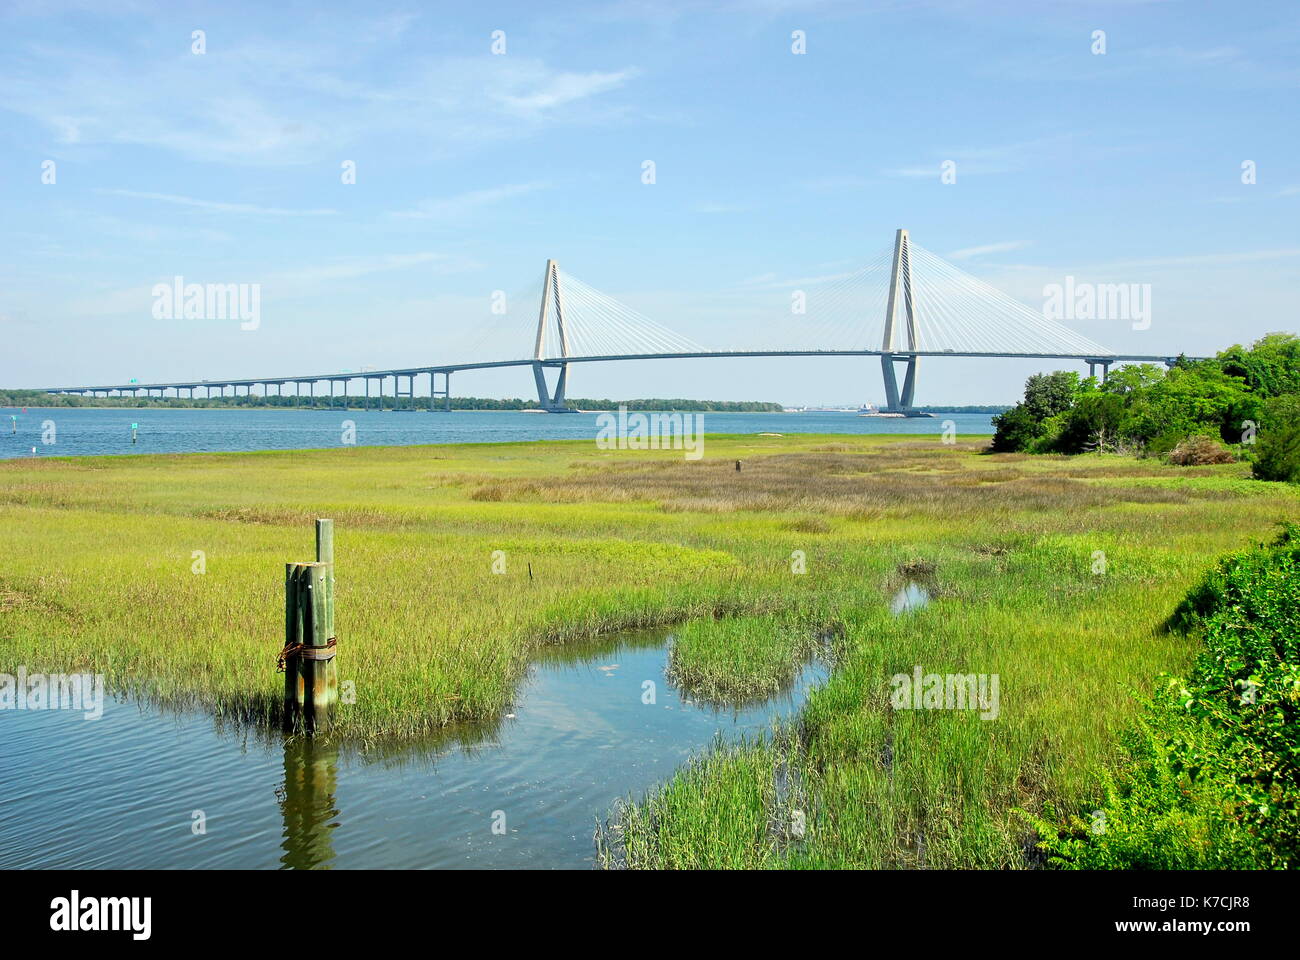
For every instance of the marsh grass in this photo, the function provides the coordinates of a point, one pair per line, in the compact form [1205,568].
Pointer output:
[95,574]
[739,660]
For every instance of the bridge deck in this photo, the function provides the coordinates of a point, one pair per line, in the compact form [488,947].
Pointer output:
[1107,359]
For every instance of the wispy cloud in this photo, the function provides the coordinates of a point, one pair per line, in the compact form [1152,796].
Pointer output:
[561,89]
[310,280]
[968,253]
[322,96]
[1186,56]
[979,161]
[834,183]
[1211,259]
[349,268]
[721,208]
[218,206]
[449,208]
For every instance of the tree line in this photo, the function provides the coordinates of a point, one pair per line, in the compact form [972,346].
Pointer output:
[39,398]
[1243,403]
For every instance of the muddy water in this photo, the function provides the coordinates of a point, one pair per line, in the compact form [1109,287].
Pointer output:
[132,788]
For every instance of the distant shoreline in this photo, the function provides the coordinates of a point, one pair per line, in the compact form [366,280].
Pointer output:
[244,408]
[14,400]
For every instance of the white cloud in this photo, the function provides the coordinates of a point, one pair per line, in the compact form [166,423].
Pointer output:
[228,106]
[978,161]
[721,208]
[448,208]
[217,206]
[562,89]
[968,253]
[349,268]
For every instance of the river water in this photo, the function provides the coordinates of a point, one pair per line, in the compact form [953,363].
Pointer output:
[77,431]
[126,790]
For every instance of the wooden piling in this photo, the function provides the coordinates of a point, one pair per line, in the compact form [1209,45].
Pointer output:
[325,554]
[311,688]
[319,673]
[293,685]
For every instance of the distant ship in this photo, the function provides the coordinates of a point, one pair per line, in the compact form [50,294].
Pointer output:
[868,409]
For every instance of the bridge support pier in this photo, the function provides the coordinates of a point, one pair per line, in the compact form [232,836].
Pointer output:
[434,392]
[552,402]
[398,392]
[1105,368]
[896,401]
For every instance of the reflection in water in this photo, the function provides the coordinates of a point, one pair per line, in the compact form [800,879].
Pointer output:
[307,803]
[579,737]
[912,597]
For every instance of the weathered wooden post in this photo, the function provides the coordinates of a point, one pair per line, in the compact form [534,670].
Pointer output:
[325,554]
[289,663]
[311,686]
[319,676]
[327,669]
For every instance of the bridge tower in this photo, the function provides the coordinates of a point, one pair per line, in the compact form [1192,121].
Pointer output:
[551,299]
[900,295]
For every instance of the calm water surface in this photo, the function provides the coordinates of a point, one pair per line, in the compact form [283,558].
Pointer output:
[121,791]
[80,431]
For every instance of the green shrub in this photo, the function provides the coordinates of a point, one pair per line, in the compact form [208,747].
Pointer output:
[1210,777]
[1277,446]
[1014,430]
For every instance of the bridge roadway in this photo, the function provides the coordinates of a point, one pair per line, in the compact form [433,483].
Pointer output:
[410,373]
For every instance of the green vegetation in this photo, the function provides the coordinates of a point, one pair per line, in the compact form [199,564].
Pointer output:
[1142,409]
[1211,773]
[97,561]
[39,398]
[740,659]
[1278,453]
[968,408]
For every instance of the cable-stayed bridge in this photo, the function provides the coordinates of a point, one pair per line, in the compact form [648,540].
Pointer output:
[904,305]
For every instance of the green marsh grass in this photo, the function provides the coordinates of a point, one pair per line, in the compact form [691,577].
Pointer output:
[95,574]
[738,660]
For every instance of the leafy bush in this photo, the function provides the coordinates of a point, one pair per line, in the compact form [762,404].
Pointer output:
[1277,447]
[1211,774]
[1199,451]
[1014,430]
[1147,408]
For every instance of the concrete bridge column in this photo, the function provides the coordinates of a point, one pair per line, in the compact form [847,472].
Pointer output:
[909,384]
[896,402]
[551,402]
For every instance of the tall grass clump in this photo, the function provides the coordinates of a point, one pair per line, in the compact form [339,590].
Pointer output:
[739,659]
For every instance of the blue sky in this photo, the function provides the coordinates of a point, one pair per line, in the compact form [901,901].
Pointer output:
[770,168]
